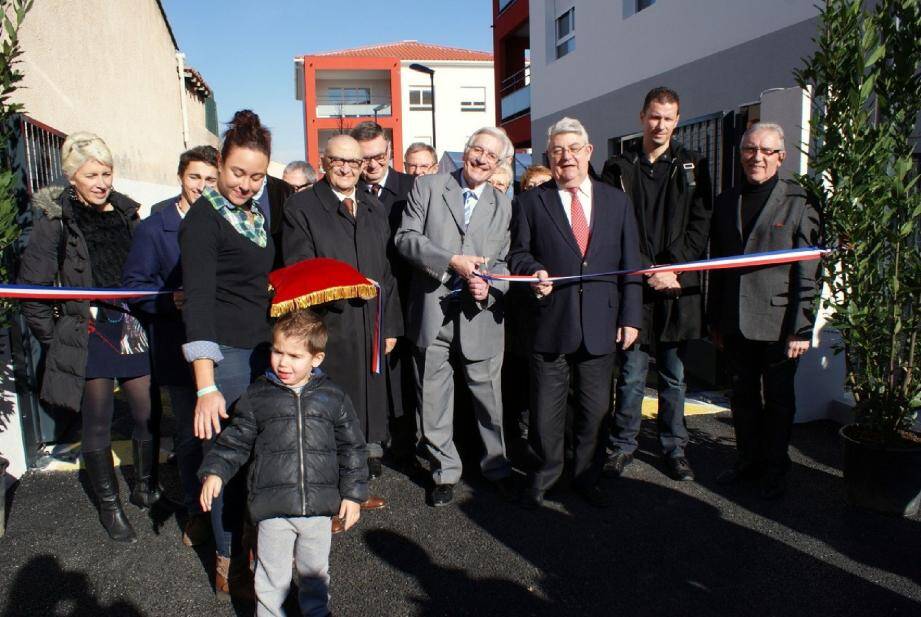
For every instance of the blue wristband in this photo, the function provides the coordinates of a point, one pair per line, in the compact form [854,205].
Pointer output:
[206,390]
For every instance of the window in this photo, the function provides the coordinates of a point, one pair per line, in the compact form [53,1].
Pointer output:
[350,96]
[420,98]
[473,98]
[566,32]
[644,4]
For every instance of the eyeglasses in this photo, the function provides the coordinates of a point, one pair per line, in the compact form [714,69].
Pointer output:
[417,167]
[381,159]
[750,151]
[300,187]
[480,151]
[337,162]
[574,150]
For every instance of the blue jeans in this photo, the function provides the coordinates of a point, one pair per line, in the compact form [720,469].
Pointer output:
[628,406]
[187,446]
[232,376]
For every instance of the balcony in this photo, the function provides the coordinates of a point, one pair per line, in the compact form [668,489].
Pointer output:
[516,94]
[360,107]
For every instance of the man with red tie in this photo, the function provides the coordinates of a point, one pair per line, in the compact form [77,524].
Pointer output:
[575,226]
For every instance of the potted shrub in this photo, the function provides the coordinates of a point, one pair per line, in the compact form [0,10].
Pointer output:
[864,78]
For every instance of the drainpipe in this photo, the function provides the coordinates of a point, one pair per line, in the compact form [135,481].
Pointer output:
[180,65]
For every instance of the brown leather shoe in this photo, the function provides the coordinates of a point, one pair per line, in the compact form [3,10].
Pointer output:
[373,503]
[233,579]
[197,530]
[338,525]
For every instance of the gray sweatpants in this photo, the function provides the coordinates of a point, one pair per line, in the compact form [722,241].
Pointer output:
[306,539]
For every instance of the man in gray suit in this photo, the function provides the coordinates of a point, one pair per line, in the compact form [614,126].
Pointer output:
[453,225]
[763,316]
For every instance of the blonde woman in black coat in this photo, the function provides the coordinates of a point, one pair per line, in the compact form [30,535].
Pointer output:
[80,238]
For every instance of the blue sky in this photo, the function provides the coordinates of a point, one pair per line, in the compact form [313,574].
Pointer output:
[245,49]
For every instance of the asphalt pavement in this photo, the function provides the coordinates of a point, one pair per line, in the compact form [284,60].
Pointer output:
[664,548]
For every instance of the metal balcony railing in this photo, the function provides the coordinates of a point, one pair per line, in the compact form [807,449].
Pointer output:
[515,91]
[360,107]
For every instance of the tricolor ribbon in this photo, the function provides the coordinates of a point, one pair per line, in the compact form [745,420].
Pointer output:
[44,292]
[769,258]
[377,347]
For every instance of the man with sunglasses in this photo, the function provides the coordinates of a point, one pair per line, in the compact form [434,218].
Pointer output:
[455,225]
[669,187]
[334,219]
[391,188]
[762,317]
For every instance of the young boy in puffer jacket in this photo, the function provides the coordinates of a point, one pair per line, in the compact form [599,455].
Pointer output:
[310,463]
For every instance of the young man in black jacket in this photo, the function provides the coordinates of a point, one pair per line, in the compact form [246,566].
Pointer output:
[310,464]
[671,194]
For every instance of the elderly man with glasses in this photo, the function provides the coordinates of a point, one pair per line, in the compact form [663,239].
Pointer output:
[454,226]
[392,188]
[420,159]
[571,226]
[763,317]
[333,219]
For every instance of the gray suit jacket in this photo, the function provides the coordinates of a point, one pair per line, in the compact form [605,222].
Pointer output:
[431,233]
[765,303]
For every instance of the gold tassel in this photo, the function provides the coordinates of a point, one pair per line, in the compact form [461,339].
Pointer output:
[365,292]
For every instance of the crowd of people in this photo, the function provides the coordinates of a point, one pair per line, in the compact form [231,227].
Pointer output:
[295,400]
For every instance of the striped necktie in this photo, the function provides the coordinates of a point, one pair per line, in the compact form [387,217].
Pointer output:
[579,224]
[470,200]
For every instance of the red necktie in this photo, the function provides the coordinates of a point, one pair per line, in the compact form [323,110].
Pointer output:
[579,224]
[349,205]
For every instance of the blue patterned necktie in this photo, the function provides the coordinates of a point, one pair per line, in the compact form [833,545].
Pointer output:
[470,200]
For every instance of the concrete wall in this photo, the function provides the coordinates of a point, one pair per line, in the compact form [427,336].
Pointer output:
[717,55]
[110,68]
[452,125]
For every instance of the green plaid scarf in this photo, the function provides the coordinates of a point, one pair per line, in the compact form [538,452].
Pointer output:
[254,231]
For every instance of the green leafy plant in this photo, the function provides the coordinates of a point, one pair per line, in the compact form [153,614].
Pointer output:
[13,13]
[866,86]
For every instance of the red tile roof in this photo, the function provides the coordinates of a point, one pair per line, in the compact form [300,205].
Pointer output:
[411,50]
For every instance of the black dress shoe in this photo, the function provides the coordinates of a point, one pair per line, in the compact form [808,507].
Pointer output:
[375,469]
[740,472]
[679,469]
[616,463]
[442,495]
[595,496]
[773,485]
[506,488]
[532,500]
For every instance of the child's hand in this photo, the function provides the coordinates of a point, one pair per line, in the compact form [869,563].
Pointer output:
[210,489]
[349,511]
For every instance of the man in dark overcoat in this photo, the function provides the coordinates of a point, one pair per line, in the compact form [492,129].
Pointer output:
[333,219]
[391,188]
[669,187]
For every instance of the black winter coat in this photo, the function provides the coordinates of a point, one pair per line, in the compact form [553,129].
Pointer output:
[687,227]
[57,244]
[309,452]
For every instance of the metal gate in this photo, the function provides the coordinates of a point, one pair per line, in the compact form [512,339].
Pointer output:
[35,157]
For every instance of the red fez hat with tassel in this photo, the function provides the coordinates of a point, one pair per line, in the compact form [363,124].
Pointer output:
[315,281]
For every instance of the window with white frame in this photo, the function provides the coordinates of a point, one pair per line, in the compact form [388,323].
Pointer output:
[420,98]
[565,32]
[473,98]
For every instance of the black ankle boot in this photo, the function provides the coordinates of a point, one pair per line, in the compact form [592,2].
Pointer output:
[146,491]
[101,472]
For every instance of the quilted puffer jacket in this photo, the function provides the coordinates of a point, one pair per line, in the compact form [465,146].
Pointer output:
[309,451]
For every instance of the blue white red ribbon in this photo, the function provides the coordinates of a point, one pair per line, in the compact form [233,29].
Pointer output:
[46,292]
[377,347]
[769,258]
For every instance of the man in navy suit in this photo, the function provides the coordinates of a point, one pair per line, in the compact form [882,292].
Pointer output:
[153,263]
[575,225]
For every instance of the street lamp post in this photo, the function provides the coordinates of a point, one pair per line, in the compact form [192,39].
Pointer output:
[421,68]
